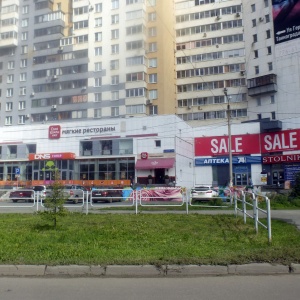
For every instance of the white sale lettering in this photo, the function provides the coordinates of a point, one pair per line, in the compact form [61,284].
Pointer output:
[221,146]
[280,141]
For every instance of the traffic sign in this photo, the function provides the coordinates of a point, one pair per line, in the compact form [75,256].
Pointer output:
[17,171]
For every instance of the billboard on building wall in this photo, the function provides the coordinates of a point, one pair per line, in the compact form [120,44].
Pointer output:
[269,142]
[286,16]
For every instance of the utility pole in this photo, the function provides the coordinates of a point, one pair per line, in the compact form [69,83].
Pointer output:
[229,137]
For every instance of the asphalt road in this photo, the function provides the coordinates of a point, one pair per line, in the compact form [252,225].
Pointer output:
[226,288]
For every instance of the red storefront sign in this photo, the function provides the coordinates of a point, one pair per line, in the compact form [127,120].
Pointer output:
[285,140]
[54,132]
[51,156]
[279,159]
[218,145]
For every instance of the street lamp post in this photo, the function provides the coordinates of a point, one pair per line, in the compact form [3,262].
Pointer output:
[229,137]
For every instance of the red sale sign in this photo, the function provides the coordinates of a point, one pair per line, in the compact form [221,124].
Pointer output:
[285,140]
[218,145]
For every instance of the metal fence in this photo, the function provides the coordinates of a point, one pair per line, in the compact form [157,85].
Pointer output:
[252,200]
[152,197]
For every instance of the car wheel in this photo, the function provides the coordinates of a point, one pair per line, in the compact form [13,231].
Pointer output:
[15,200]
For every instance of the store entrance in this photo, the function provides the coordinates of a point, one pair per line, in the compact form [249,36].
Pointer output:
[159,176]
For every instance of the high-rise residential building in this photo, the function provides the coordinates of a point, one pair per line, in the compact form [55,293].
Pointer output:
[72,60]
[87,59]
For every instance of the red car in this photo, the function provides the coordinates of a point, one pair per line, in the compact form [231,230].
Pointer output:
[25,194]
[107,194]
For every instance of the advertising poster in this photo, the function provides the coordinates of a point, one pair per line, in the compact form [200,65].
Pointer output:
[286,19]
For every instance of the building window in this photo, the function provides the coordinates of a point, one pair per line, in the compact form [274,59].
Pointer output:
[259,116]
[269,50]
[268,33]
[10,65]
[9,106]
[153,94]
[115,111]
[98,22]
[114,95]
[157,143]
[23,76]
[153,110]
[114,64]
[272,99]
[98,66]
[266,2]
[98,97]
[270,66]
[24,49]
[114,19]
[9,92]
[115,79]
[98,36]
[115,34]
[24,22]
[10,78]
[256,69]
[253,22]
[21,119]
[22,91]
[252,7]
[23,63]
[98,82]
[152,47]
[22,105]
[97,113]
[152,31]
[115,49]
[255,53]
[114,4]
[152,16]
[153,78]
[273,115]
[8,120]
[98,7]
[152,62]
[25,9]
[267,18]
[24,36]
[98,51]
[254,38]
[258,101]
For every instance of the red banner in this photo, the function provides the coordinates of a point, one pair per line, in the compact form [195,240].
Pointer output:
[218,145]
[285,140]
[51,156]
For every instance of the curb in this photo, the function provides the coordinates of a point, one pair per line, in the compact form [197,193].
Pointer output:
[146,271]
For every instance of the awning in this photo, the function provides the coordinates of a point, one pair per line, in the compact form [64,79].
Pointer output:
[155,163]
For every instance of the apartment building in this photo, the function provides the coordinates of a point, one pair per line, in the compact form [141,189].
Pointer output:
[89,59]
[85,59]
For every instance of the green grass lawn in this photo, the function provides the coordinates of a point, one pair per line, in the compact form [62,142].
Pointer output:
[143,239]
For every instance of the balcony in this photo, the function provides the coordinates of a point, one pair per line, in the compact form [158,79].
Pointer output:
[262,85]
[8,39]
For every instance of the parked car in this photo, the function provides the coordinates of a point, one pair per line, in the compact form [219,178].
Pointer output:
[203,192]
[71,192]
[41,190]
[25,194]
[107,194]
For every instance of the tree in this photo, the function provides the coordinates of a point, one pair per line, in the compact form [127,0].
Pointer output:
[54,201]
[295,193]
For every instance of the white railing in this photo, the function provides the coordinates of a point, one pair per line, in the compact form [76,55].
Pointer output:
[252,200]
